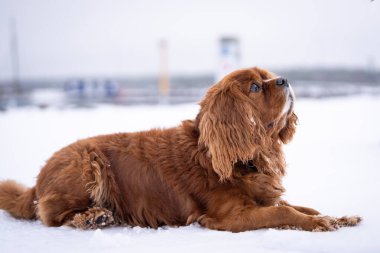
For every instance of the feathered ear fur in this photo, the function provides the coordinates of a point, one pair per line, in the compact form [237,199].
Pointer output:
[227,128]
[286,134]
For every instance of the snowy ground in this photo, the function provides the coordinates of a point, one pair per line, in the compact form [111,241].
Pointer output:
[334,164]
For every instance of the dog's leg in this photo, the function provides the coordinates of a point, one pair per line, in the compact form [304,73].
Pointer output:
[252,217]
[93,218]
[306,210]
[302,209]
[339,222]
[68,187]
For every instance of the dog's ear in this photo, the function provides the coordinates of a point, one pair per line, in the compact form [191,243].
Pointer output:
[227,128]
[286,133]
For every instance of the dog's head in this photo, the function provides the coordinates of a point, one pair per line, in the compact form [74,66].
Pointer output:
[244,114]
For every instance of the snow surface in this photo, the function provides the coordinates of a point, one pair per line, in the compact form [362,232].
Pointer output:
[333,166]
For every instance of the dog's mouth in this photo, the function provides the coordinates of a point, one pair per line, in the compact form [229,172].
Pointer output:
[289,104]
[291,99]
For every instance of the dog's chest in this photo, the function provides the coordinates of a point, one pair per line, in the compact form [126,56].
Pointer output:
[262,188]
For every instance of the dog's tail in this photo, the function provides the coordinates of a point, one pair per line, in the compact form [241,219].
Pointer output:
[17,199]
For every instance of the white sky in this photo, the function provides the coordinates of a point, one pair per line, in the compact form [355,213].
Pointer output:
[64,38]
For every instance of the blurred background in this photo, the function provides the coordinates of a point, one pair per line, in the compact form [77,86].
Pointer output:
[85,52]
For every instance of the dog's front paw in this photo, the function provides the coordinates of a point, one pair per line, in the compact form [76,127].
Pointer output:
[327,223]
[321,224]
[348,221]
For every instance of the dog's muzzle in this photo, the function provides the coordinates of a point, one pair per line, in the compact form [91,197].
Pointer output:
[283,82]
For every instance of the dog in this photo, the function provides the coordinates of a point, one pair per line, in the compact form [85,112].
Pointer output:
[223,169]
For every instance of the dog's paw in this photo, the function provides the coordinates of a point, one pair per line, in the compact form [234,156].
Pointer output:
[321,224]
[205,221]
[348,221]
[103,217]
[193,217]
[210,223]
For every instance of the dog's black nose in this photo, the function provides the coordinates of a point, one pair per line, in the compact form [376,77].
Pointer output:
[282,82]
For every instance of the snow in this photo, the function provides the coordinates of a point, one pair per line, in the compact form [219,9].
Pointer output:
[333,166]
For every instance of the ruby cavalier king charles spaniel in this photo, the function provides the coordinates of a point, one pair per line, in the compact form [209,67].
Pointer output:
[223,169]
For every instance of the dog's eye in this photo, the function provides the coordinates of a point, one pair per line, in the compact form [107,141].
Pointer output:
[255,87]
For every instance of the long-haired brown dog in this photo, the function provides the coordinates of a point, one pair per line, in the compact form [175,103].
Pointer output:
[222,169]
